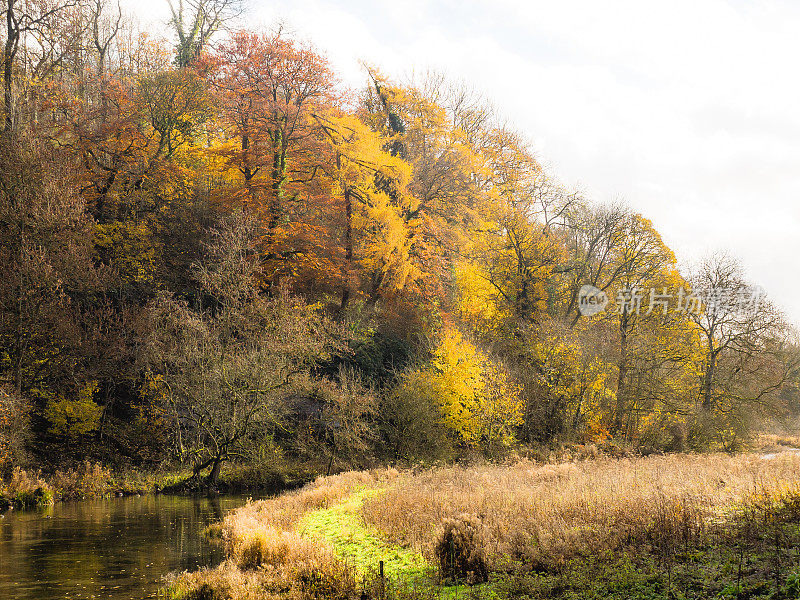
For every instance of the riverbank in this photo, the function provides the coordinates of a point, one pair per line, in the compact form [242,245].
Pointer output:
[31,488]
[680,526]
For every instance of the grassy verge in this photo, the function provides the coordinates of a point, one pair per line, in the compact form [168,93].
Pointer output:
[701,526]
[361,547]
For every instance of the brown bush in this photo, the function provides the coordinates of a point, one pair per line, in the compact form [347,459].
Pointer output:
[461,550]
[89,480]
[27,489]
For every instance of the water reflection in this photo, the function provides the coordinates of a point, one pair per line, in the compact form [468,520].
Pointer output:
[118,548]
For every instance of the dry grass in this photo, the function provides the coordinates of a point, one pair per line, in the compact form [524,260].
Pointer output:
[86,480]
[329,581]
[542,515]
[89,480]
[251,543]
[266,557]
[546,514]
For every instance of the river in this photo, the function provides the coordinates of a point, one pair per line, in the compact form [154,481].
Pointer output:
[111,549]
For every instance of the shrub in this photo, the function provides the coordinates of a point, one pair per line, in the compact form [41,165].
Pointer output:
[331,580]
[76,417]
[90,480]
[413,425]
[28,489]
[41,496]
[460,550]
[477,399]
[14,429]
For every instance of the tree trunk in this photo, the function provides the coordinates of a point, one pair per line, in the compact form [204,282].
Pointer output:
[213,475]
[247,170]
[278,177]
[708,381]
[348,245]
[622,372]
[12,37]
[576,419]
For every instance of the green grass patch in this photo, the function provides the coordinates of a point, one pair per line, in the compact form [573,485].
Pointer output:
[360,546]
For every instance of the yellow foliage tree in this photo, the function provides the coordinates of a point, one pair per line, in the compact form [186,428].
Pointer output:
[478,301]
[371,184]
[74,417]
[478,400]
[569,370]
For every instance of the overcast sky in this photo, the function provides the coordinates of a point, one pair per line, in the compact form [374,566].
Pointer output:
[689,111]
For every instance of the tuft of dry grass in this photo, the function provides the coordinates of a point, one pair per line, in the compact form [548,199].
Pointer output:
[251,543]
[546,514]
[771,442]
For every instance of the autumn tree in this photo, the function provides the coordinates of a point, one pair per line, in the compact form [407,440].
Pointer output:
[477,399]
[371,184]
[445,172]
[592,238]
[46,239]
[569,381]
[639,265]
[269,87]
[182,226]
[520,249]
[105,27]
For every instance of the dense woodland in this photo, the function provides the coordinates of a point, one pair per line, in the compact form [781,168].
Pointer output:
[214,252]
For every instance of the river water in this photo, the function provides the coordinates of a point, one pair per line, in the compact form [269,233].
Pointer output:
[111,549]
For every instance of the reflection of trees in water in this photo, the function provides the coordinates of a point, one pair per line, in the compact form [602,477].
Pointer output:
[215,506]
[107,547]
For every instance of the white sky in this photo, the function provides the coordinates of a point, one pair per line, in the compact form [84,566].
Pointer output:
[689,111]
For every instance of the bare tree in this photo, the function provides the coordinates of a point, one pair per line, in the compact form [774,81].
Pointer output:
[737,325]
[196,21]
[593,237]
[105,28]
[20,20]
